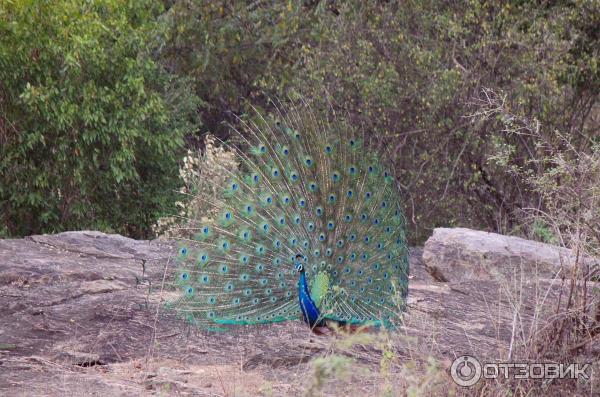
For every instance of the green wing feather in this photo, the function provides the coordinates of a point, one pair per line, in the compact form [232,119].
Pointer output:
[304,185]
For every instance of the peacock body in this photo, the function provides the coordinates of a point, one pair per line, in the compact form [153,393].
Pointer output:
[309,224]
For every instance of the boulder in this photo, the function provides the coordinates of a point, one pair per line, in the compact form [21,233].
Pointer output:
[461,254]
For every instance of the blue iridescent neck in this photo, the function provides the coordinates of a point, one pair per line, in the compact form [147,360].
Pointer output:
[310,311]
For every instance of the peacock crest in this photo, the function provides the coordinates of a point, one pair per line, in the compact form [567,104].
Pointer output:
[304,187]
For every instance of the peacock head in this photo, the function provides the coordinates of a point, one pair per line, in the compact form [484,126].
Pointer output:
[299,264]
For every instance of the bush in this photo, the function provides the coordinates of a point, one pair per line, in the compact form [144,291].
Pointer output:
[90,125]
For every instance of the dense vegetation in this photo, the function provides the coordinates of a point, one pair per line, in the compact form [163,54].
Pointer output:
[98,100]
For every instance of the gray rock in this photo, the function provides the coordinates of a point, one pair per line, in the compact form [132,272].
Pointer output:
[81,314]
[465,254]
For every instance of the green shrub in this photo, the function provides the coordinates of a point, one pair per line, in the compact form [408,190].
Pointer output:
[90,125]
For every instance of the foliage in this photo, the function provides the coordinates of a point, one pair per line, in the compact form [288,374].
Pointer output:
[90,125]
[408,72]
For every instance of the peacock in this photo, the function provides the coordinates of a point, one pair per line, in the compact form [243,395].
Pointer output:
[308,225]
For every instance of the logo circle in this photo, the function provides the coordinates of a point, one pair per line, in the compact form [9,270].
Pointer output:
[465,371]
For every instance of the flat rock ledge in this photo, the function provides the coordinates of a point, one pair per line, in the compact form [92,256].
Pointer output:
[81,314]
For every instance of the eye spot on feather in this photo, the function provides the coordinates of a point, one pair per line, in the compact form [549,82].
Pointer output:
[183,251]
[330,225]
[203,259]
[229,287]
[316,253]
[248,292]
[223,269]
[368,195]
[313,187]
[302,202]
[350,193]
[335,176]
[340,243]
[328,149]
[310,226]
[329,252]
[340,259]
[348,217]
[264,227]
[211,300]
[185,276]
[205,279]
[259,268]
[319,211]
[275,173]
[331,199]
[322,237]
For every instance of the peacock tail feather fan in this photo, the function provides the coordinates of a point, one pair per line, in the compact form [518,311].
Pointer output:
[304,185]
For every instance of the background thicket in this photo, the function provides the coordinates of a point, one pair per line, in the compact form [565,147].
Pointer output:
[98,100]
